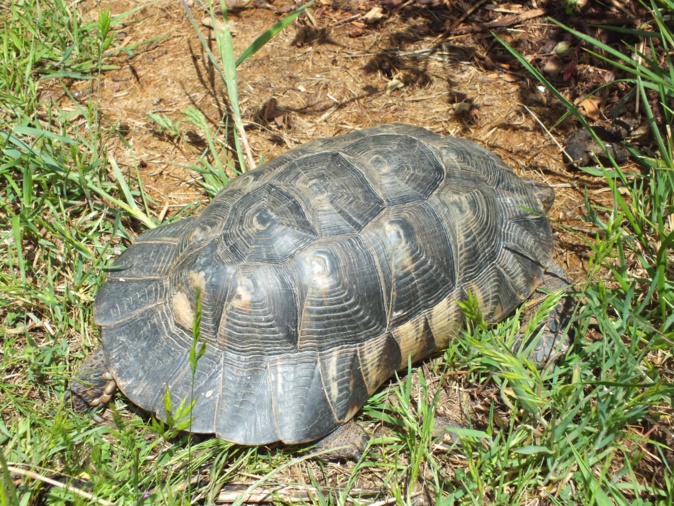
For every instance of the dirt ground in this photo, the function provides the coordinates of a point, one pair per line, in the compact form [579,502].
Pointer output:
[331,72]
[341,67]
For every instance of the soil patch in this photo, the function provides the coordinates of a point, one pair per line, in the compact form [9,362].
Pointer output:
[329,73]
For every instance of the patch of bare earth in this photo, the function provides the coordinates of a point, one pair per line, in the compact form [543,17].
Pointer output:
[341,67]
[322,77]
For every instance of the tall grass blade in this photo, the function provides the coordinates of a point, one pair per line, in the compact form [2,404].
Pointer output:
[259,43]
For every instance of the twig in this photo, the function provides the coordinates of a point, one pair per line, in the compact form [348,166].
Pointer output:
[50,481]
[287,493]
[499,23]
[393,500]
[244,140]
[516,18]
[465,15]
[345,20]
[548,132]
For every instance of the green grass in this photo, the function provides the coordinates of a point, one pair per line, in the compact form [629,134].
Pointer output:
[585,432]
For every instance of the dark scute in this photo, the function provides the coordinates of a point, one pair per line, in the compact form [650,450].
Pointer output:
[203,389]
[531,236]
[121,299]
[301,407]
[170,232]
[523,272]
[203,268]
[341,198]
[496,294]
[146,259]
[413,245]
[392,163]
[474,219]
[245,407]
[340,296]
[253,178]
[138,276]
[260,315]
[390,357]
[343,381]
[145,354]
[543,191]
[419,133]
[379,359]
[472,162]
[212,219]
[427,342]
[518,200]
[267,225]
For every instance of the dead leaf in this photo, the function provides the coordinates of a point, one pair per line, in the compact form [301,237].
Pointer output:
[394,84]
[273,113]
[462,108]
[590,107]
[375,14]
[552,67]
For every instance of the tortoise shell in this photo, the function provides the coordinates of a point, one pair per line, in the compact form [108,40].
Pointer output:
[321,273]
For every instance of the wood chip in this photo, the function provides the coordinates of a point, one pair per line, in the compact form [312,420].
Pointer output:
[375,14]
[394,84]
[590,107]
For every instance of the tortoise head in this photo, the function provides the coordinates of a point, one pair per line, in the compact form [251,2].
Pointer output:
[544,192]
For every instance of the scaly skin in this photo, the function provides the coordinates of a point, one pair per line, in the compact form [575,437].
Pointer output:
[94,385]
[554,341]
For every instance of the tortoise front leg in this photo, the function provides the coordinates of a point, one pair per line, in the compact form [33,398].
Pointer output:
[93,385]
[555,338]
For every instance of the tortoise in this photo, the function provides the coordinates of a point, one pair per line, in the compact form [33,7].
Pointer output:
[321,273]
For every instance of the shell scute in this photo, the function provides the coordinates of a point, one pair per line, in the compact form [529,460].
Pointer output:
[392,163]
[267,225]
[340,300]
[340,198]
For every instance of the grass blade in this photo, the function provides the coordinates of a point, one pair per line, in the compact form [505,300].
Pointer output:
[258,43]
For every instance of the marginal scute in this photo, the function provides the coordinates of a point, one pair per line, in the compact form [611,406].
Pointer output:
[446,318]
[321,273]
[379,359]
[244,390]
[133,264]
[415,340]
[144,354]
[301,409]
[343,381]
[123,299]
